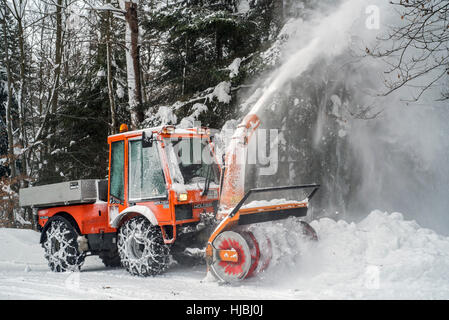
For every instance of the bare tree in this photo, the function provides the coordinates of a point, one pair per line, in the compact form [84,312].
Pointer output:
[7,64]
[109,71]
[419,55]
[58,53]
[128,11]
[133,63]
[18,12]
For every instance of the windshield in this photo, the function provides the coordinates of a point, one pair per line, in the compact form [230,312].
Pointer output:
[191,160]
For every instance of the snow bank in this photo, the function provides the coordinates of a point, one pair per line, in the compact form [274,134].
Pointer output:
[383,256]
[20,246]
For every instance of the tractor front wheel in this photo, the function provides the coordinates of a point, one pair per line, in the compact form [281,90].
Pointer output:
[141,247]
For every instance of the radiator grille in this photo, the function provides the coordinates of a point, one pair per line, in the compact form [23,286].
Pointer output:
[183,212]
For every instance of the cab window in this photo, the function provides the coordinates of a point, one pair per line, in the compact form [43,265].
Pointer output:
[117,171]
[146,178]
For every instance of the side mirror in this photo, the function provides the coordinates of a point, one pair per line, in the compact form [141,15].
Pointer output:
[147,139]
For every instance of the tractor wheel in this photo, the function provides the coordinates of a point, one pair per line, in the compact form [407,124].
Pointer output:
[61,246]
[141,247]
[110,258]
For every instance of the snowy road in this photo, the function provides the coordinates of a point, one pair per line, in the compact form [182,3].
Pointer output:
[381,257]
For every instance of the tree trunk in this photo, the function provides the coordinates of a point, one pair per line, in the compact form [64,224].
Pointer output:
[133,64]
[218,46]
[50,169]
[23,137]
[7,62]
[109,71]
[58,55]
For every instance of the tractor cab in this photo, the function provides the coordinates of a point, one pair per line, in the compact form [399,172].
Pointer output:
[166,174]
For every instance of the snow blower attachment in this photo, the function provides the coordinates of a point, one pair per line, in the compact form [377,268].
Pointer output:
[233,254]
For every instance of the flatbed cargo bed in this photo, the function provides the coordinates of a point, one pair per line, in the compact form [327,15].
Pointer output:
[64,193]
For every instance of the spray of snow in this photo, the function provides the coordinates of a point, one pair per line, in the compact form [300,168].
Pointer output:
[401,155]
[329,37]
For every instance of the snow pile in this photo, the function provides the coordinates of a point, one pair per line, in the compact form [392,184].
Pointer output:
[383,256]
[234,67]
[273,202]
[18,218]
[20,246]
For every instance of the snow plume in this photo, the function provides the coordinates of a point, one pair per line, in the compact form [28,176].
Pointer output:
[368,151]
[322,36]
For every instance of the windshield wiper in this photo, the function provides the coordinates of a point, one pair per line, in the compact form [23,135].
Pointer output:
[207,181]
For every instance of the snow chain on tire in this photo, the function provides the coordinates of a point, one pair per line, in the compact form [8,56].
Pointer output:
[61,246]
[141,247]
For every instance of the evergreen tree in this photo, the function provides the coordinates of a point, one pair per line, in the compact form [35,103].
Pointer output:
[193,44]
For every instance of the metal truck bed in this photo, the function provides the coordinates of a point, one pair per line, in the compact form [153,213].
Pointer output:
[64,193]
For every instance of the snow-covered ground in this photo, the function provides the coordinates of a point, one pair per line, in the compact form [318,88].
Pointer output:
[381,257]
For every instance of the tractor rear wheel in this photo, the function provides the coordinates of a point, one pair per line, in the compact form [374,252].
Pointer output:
[141,247]
[61,246]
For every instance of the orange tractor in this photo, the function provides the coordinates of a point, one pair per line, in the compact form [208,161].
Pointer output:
[165,193]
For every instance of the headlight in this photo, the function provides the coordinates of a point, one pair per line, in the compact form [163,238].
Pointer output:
[182,197]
